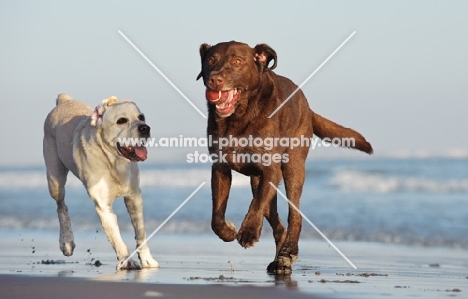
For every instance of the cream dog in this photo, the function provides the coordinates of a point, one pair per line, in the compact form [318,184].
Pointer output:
[87,143]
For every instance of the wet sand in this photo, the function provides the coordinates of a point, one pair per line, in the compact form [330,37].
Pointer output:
[32,266]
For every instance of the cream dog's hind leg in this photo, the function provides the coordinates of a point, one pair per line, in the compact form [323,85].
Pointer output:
[56,179]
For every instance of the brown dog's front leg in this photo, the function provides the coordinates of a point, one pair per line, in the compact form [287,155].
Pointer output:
[220,186]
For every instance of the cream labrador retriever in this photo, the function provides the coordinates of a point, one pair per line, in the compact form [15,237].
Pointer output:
[86,142]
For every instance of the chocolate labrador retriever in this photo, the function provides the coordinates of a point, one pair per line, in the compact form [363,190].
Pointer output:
[242,91]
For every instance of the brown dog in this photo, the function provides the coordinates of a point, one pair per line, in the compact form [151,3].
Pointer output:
[242,91]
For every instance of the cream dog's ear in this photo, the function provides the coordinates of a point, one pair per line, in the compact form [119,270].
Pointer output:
[96,118]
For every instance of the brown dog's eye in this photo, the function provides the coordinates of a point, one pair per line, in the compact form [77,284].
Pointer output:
[122,121]
[141,117]
[211,61]
[237,61]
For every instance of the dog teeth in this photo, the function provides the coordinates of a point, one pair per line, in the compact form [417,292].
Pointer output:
[235,90]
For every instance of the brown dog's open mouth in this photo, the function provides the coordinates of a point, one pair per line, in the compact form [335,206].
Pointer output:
[133,153]
[225,101]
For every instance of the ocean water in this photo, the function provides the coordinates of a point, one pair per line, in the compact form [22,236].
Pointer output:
[401,201]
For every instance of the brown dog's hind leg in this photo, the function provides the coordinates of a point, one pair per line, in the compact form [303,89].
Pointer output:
[251,227]
[271,214]
[279,231]
[293,176]
[220,185]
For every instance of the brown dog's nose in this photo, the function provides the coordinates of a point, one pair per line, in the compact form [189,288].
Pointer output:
[144,130]
[216,81]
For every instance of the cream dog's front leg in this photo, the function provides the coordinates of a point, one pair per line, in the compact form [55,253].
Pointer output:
[111,228]
[134,204]
[102,198]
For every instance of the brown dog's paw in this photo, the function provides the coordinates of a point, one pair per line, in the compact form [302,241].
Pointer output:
[287,256]
[248,236]
[289,250]
[276,268]
[226,232]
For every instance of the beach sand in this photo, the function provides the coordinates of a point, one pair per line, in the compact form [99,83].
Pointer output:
[202,266]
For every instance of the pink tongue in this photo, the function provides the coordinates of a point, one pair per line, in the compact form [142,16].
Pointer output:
[230,95]
[141,153]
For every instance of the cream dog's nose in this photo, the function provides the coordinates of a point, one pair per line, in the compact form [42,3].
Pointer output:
[144,130]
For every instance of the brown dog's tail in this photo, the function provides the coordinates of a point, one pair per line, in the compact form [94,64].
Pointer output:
[325,128]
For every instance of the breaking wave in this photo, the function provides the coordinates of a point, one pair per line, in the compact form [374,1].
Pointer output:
[166,177]
[368,182]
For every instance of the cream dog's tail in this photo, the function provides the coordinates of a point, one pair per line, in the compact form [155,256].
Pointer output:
[63,97]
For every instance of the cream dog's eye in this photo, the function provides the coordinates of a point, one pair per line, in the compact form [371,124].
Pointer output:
[141,117]
[121,121]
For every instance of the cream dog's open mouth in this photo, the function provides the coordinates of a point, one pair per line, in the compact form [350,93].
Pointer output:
[133,153]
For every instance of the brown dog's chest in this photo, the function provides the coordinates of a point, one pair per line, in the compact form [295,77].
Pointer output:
[242,160]
[246,153]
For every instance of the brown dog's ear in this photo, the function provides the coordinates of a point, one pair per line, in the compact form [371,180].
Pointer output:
[264,54]
[203,49]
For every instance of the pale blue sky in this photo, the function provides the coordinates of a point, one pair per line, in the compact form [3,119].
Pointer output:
[401,80]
